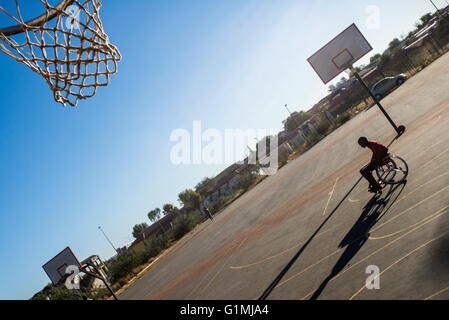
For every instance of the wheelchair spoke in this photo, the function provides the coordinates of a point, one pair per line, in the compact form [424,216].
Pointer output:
[392,171]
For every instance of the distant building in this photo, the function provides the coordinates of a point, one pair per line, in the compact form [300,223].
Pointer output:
[90,282]
[124,248]
[159,227]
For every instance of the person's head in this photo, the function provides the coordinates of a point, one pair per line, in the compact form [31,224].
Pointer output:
[363,142]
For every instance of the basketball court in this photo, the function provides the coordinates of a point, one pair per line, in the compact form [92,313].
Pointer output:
[312,230]
[315,218]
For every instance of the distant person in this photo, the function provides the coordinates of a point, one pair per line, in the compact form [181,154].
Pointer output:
[379,153]
[206,210]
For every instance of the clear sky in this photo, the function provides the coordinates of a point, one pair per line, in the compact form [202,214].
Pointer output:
[231,64]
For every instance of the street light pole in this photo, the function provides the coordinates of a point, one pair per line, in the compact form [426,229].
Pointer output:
[296,121]
[99,227]
[288,109]
[438,10]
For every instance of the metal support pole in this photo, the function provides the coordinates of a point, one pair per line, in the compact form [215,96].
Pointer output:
[99,276]
[400,130]
[438,10]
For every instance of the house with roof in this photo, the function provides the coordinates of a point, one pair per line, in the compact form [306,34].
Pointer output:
[159,227]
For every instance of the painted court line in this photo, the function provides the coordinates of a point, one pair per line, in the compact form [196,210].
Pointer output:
[398,261]
[436,294]
[377,251]
[282,252]
[406,228]
[219,271]
[330,196]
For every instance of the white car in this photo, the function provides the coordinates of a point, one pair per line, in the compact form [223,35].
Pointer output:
[386,85]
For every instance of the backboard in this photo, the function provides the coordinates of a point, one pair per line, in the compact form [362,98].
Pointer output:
[339,53]
[56,267]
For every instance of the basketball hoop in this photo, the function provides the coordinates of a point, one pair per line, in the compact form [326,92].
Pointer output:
[66,45]
[339,55]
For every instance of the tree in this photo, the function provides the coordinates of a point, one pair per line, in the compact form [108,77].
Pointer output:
[246,178]
[169,208]
[331,88]
[295,120]
[138,228]
[374,58]
[355,69]
[341,82]
[425,18]
[394,43]
[153,215]
[418,25]
[205,184]
[442,28]
[190,199]
[59,292]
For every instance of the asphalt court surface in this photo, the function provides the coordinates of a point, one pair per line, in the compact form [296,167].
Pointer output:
[315,222]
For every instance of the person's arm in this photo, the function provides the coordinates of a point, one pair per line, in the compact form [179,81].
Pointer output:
[385,151]
[372,150]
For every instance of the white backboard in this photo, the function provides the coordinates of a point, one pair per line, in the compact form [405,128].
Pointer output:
[336,56]
[56,267]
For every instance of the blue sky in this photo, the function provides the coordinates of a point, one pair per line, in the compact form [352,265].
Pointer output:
[230,64]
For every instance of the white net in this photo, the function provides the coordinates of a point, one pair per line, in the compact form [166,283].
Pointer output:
[70,51]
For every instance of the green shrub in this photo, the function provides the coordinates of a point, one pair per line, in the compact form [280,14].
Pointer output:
[60,292]
[245,180]
[323,127]
[154,245]
[183,224]
[342,118]
[283,156]
[99,294]
[300,148]
[312,139]
[219,204]
[124,264]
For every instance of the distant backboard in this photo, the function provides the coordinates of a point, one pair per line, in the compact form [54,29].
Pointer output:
[56,267]
[339,53]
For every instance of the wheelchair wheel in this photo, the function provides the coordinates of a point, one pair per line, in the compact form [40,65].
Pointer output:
[393,171]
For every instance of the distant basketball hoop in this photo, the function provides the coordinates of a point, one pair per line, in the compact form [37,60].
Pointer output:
[58,268]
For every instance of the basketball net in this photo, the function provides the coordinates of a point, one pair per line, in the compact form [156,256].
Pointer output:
[71,52]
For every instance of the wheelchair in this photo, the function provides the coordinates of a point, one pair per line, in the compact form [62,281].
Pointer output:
[393,170]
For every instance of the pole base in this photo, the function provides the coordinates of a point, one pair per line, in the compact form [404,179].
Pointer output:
[400,130]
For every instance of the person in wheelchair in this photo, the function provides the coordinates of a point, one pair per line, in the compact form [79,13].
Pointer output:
[380,152]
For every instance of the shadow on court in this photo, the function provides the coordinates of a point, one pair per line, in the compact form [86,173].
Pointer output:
[273,284]
[357,236]
[373,211]
[270,288]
